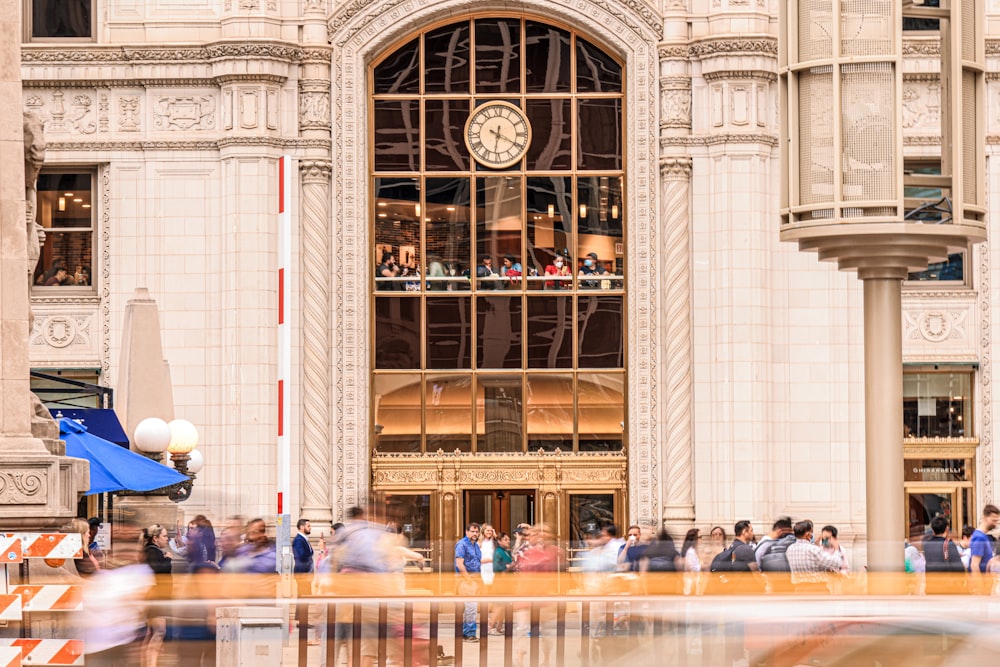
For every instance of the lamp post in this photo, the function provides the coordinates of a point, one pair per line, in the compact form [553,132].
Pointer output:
[153,436]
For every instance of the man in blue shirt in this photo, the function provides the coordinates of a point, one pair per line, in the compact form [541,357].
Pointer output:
[468,559]
[981,546]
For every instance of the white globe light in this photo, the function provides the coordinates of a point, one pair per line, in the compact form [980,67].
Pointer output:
[197,461]
[183,437]
[152,435]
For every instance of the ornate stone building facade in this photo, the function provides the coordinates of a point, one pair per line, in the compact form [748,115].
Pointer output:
[741,359]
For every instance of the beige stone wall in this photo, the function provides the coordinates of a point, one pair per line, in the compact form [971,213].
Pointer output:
[746,358]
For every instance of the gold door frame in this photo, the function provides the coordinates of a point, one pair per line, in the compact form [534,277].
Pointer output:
[933,448]
[553,476]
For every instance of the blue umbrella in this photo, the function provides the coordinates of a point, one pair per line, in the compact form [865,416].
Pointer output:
[114,468]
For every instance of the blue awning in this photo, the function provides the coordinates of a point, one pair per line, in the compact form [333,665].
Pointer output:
[114,468]
[102,423]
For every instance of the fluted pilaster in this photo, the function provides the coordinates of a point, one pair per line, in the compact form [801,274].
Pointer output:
[677,453]
[316,345]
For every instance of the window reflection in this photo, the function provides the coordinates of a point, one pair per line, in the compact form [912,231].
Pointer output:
[446,59]
[498,413]
[499,327]
[600,129]
[397,413]
[599,232]
[445,147]
[498,50]
[551,136]
[397,135]
[596,71]
[550,332]
[397,333]
[937,404]
[601,398]
[547,56]
[600,322]
[400,72]
[449,412]
[952,269]
[549,401]
[449,332]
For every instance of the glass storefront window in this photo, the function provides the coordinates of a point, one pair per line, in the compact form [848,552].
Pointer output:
[937,404]
[397,413]
[58,19]
[486,279]
[65,210]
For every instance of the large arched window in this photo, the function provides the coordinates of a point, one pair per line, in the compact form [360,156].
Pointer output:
[498,242]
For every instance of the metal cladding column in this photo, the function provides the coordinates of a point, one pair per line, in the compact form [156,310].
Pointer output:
[844,190]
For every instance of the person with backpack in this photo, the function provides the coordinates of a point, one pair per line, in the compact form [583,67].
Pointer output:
[735,564]
[772,557]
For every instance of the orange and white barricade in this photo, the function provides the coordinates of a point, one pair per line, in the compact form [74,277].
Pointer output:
[50,597]
[10,609]
[47,651]
[10,656]
[10,549]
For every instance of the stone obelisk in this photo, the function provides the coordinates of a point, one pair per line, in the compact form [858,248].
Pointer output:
[38,490]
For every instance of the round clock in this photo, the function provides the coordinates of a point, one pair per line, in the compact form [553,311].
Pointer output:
[497,134]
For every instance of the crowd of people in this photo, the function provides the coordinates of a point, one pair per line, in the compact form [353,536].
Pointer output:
[138,578]
[391,275]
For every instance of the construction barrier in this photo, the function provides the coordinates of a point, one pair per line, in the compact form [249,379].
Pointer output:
[47,651]
[10,656]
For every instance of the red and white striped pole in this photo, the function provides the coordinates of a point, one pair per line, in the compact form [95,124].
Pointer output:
[284,337]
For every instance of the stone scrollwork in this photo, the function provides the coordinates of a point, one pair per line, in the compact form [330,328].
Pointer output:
[23,487]
[935,326]
[195,112]
[80,114]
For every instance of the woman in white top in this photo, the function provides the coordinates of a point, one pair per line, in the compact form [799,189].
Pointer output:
[487,545]
[692,562]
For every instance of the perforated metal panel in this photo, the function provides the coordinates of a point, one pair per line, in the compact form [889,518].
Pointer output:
[970,152]
[816,136]
[815,30]
[866,28]
[866,93]
[969,30]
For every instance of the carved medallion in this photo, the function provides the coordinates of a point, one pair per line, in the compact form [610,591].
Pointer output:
[60,331]
[185,113]
[935,326]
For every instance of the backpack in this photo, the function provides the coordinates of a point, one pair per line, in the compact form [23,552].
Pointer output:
[776,560]
[723,561]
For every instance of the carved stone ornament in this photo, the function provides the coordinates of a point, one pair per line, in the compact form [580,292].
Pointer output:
[314,110]
[59,331]
[128,114]
[184,113]
[80,115]
[24,487]
[675,109]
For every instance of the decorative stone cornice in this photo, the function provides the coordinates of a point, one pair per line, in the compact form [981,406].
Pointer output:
[138,82]
[675,168]
[924,47]
[713,46]
[922,140]
[741,75]
[315,170]
[922,77]
[81,300]
[717,139]
[272,50]
[917,295]
[249,78]
[673,51]
[205,145]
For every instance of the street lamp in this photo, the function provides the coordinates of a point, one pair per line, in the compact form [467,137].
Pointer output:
[153,436]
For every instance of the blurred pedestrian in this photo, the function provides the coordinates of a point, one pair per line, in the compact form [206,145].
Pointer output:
[114,599]
[86,564]
[156,556]
[692,561]
[200,543]
[468,566]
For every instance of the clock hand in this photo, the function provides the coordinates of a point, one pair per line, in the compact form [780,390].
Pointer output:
[500,135]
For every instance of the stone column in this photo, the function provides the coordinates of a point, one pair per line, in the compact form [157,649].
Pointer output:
[676,451]
[678,455]
[37,489]
[316,345]
[316,453]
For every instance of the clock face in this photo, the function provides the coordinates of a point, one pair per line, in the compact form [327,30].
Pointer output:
[497,134]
